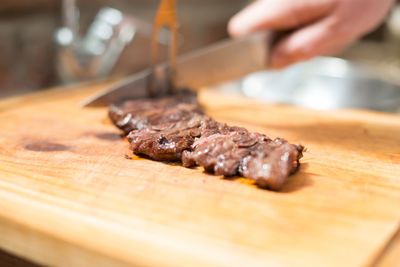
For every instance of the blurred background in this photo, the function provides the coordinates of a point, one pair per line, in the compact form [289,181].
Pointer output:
[45,43]
[37,49]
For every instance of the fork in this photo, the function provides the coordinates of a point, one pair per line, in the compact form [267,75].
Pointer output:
[166,17]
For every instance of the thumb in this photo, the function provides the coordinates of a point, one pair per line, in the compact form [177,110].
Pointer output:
[278,15]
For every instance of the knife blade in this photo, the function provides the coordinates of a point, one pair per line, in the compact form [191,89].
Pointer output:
[224,61]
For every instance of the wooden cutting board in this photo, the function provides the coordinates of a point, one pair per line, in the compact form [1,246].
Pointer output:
[70,197]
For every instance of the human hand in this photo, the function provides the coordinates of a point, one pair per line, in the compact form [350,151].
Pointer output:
[321,27]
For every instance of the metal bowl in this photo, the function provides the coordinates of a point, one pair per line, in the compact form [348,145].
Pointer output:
[323,83]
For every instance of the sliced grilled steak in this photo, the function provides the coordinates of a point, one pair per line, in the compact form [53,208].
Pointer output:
[269,162]
[166,141]
[221,153]
[140,114]
[176,129]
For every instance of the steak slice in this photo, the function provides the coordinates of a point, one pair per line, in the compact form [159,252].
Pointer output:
[166,141]
[142,113]
[251,155]
[269,163]
[176,129]
[222,152]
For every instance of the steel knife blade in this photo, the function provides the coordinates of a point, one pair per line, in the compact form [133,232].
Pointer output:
[224,61]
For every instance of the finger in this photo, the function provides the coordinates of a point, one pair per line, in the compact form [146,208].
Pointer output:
[278,14]
[320,38]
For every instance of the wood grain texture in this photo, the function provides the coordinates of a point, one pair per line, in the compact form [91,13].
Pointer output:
[69,197]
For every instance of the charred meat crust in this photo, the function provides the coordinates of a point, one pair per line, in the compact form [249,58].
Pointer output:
[175,128]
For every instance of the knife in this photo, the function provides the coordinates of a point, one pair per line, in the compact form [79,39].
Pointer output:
[224,61]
